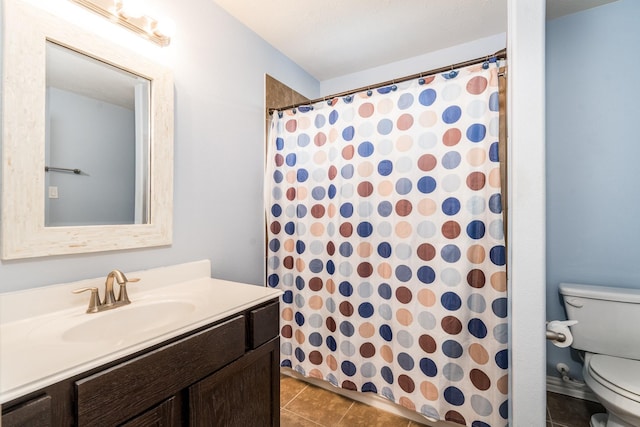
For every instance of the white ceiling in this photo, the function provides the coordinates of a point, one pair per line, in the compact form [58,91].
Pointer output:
[332,38]
[75,72]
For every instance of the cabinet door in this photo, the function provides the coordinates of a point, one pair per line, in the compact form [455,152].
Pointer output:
[245,393]
[166,414]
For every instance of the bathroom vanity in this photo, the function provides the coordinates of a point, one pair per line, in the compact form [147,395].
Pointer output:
[216,363]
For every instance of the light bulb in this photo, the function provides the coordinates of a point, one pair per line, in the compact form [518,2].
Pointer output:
[165,27]
[130,9]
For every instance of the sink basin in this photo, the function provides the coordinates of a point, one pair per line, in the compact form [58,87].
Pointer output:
[119,324]
[132,319]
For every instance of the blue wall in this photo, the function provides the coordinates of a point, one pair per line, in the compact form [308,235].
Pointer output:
[593,154]
[80,131]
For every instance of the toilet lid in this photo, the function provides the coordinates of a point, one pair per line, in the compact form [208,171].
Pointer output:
[617,373]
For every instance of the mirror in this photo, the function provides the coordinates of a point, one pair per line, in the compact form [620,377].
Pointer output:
[116,194]
[96,141]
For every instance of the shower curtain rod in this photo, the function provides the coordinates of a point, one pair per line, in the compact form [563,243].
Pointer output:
[501,54]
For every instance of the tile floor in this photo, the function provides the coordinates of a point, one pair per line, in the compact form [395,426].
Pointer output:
[565,411]
[305,405]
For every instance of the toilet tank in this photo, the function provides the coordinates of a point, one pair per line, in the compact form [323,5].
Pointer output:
[608,319]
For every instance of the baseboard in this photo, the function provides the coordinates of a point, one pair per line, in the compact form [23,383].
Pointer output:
[572,388]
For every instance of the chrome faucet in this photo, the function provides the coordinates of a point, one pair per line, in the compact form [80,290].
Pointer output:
[110,300]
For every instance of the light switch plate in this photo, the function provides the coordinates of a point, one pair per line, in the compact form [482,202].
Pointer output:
[53,192]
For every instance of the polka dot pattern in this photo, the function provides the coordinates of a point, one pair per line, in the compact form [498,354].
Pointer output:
[385,234]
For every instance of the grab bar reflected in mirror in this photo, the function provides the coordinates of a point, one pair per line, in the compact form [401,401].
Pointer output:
[54,169]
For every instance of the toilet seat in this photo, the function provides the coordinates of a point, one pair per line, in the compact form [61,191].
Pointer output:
[622,376]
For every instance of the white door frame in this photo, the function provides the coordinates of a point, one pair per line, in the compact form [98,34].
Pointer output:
[526,215]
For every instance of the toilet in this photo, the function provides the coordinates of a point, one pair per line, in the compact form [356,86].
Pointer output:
[608,332]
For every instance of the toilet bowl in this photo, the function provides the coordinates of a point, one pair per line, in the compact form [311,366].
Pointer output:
[616,383]
[608,334]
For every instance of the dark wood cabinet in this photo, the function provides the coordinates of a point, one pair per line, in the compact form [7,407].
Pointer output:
[245,393]
[223,374]
[166,414]
[34,412]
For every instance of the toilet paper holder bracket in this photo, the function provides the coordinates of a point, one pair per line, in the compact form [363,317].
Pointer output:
[557,337]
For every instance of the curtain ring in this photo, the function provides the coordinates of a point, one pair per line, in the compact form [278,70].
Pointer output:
[451,74]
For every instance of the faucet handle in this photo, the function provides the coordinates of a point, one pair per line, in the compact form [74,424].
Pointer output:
[94,299]
[123,298]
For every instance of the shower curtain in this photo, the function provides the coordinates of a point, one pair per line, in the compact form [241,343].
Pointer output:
[385,233]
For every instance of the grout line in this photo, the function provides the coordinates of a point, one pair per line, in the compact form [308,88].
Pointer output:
[297,394]
[345,412]
[549,416]
[300,416]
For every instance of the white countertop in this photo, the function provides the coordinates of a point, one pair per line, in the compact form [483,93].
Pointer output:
[33,354]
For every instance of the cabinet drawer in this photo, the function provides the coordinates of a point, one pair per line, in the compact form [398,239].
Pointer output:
[120,392]
[36,412]
[264,324]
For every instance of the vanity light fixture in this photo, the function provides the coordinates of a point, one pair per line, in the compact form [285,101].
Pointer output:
[129,15]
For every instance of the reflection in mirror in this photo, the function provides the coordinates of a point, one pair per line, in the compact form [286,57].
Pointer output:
[97,142]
